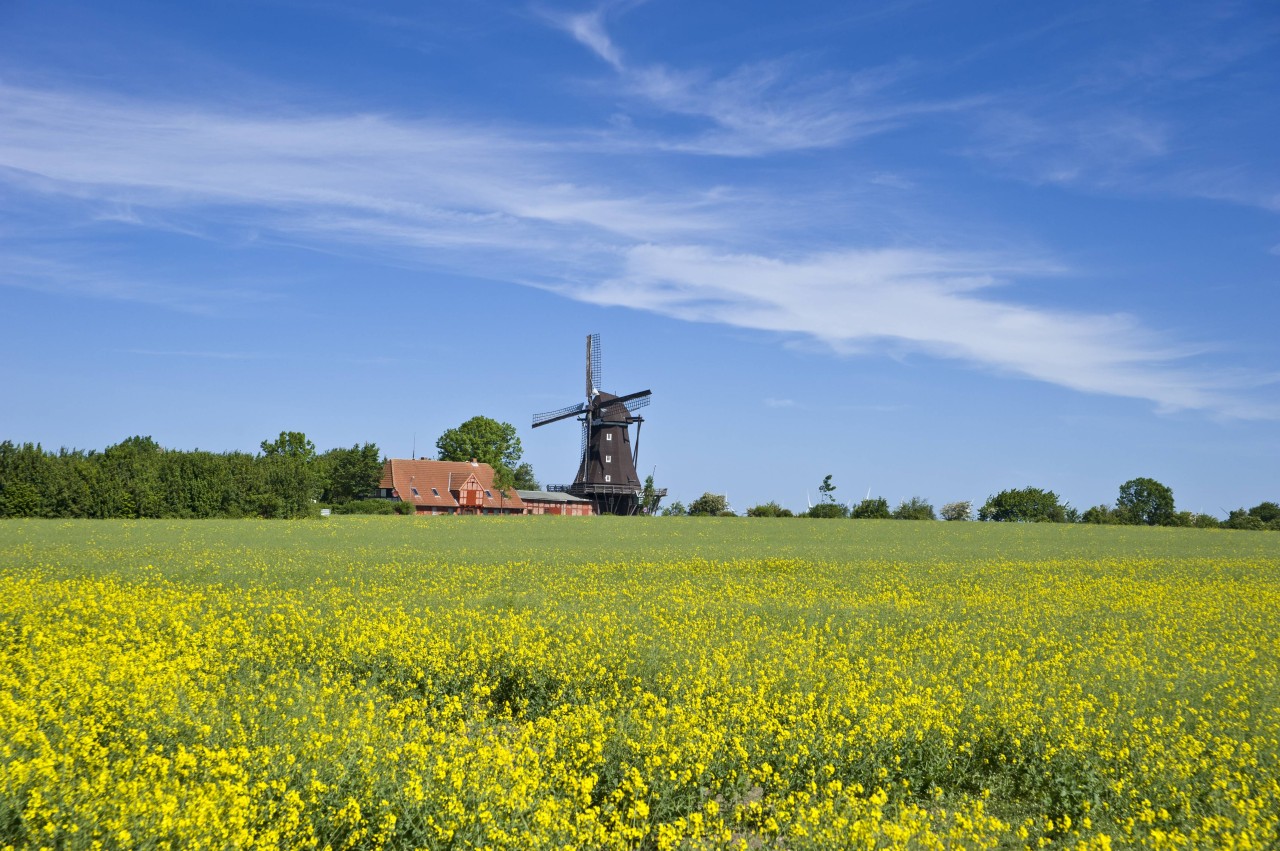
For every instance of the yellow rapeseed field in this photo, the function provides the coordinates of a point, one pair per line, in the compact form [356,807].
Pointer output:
[552,683]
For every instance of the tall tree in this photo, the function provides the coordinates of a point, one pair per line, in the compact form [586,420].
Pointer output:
[488,441]
[1145,502]
[291,476]
[350,473]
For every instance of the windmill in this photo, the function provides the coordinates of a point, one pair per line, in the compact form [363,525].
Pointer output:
[606,458]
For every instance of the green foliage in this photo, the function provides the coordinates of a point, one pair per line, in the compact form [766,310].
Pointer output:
[1267,512]
[523,478]
[139,478]
[675,509]
[827,490]
[914,509]
[1241,519]
[1101,515]
[1145,502]
[1025,505]
[876,508]
[649,497]
[828,511]
[709,505]
[350,474]
[769,509]
[958,511]
[19,499]
[488,441]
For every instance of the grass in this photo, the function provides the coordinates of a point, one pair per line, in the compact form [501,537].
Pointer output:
[543,682]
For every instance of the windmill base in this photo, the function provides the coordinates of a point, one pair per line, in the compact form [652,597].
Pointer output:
[605,499]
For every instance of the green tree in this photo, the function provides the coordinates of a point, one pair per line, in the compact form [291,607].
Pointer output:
[488,441]
[524,478]
[1267,512]
[769,509]
[291,479]
[1024,505]
[709,505]
[957,511]
[1241,519]
[675,509]
[914,509]
[1145,502]
[828,511]
[349,474]
[872,509]
[827,490]
[650,498]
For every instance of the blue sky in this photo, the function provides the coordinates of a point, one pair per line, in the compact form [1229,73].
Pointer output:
[929,248]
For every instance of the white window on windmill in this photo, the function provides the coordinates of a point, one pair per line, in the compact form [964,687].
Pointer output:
[608,436]
[608,458]
[608,478]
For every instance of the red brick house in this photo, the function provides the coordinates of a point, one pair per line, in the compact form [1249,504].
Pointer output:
[447,487]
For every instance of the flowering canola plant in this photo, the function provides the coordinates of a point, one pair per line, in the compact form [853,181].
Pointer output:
[166,685]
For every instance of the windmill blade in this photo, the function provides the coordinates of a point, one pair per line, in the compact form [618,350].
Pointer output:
[594,377]
[582,450]
[636,404]
[605,404]
[562,414]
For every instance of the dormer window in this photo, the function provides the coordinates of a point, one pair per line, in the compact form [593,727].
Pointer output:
[435,492]
[489,495]
[415,490]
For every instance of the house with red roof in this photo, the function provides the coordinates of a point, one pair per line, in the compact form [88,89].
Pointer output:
[447,487]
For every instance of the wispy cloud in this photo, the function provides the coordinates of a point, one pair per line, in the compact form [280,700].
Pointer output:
[1172,111]
[62,277]
[779,403]
[757,108]
[938,303]
[511,204]
[588,28]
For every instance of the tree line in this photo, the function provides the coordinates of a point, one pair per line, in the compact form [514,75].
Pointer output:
[137,477]
[1141,502]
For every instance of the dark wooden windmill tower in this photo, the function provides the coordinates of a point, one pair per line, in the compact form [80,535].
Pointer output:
[607,459]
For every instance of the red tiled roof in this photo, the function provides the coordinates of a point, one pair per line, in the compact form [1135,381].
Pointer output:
[406,474]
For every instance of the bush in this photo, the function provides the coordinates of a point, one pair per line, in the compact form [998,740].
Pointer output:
[709,505]
[769,509]
[872,509]
[1101,515]
[1241,519]
[954,511]
[1025,505]
[914,509]
[828,511]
